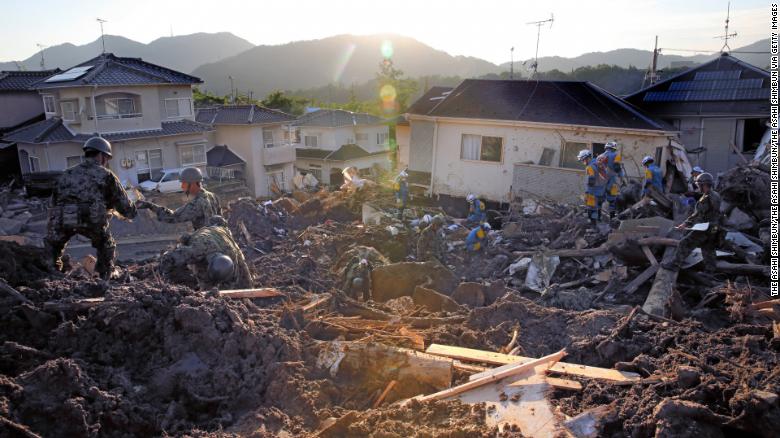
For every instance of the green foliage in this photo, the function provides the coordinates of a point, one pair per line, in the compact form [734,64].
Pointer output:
[403,88]
[204,98]
[290,104]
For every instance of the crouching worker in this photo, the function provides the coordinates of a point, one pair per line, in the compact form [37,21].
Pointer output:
[212,256]
[429,244]
[197,210]
[358,280]
[477,238]
[707,210]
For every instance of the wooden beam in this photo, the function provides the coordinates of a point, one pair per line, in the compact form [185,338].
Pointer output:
[640,279]
[649,255]
[517,368]
[490,357]
[317,303]
[265,292]
[5,287]
[83,304]
[382,396]
[564,384]
[742,268]
[765,304]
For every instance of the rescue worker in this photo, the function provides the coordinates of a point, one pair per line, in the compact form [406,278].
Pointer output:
[615,169]
[81,204]
[477,238]
[197,210]
[695,172]
[401,187]
[477,213]
[653,175]
[212,256]
[358,280]
[707,210]
[595,186]
[429,244]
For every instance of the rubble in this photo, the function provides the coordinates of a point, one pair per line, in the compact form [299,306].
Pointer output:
[295,356]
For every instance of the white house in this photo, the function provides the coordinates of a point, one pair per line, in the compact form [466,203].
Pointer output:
[495,138]
[145,110]
[260,137]
[330,140]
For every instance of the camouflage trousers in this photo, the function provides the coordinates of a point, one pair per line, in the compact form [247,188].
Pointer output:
[706,240]
[104,244]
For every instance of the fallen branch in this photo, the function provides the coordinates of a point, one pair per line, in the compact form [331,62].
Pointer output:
[382,396]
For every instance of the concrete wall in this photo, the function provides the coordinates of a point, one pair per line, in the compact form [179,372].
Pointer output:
[334,138]
[402,138]
[19,106]
[421,145]
[457,177]
[556,183]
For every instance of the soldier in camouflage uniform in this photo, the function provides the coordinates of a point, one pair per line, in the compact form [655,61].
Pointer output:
[81,204]
[199,250]
[358,280]
[707,210]
[429,244]
[197,210]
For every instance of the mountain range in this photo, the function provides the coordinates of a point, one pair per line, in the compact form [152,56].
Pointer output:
[344,59]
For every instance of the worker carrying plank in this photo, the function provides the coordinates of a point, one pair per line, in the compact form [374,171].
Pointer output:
[614,163]
[430,243]
[595,186]
[477,213]
[653,176]
[197,210]
[212,256]
[706,211]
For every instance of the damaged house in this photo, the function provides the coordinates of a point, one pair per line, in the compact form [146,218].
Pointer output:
[500,139]
[145,110]
[720,108]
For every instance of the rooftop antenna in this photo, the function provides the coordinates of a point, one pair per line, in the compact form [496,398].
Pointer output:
[512,63]
[171,30]
[41,47]
[539,25]
[102,36]
[726,35]
[652,75]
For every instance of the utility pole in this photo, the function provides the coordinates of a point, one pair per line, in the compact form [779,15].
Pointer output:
[102,36]
[232,93]
[41,47]
[539,25]
[726,35]
[512,63]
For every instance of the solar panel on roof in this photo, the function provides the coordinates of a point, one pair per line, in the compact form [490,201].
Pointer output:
[720,84]
[718,74]
[74,73]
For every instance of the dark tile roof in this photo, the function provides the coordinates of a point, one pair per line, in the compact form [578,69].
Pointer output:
[241,115]
[429,100]
[345,152]
[334,118]
[108,69]
[220,156]
[560,102]
[725,78]
[54,131]
[22,80]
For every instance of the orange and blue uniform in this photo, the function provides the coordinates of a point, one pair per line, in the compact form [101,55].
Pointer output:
[615,165]
[475,239]
[653,178]
[594,190]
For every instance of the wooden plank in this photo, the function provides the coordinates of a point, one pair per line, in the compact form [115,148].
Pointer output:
[468,368]
[490,357]
[86,303]
[5,287]
[382,396]
[649,255]
[565,384]
[317,303]
[265,292]
[640,279]
[765,304]
[514,370]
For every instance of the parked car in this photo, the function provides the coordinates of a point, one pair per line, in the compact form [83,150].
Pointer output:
[168,182]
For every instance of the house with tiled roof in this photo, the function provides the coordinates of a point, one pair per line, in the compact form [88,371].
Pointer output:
[330,140]
[503,139]
[260,137]
[145,110]
[720,108]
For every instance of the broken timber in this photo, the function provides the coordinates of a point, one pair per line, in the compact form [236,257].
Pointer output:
[83,304]
[557,383]
[490,357]
[603,249]
[266,292]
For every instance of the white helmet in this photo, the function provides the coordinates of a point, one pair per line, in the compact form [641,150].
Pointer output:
[471,197]
[584,154]
[647,159]
[486,226]
[403,174]
[426,219]
[697,169]
[611,145]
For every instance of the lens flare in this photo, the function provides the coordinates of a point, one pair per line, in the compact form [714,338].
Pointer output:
[387,93]
[387,49]
[343,60]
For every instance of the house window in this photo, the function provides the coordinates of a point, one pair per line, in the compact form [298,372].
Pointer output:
[317,173]
[74,160]
[69,110]
[192,155]
[749,133]
[276,182]
[481,148]
[361,137]
[598,149]
[295,133]
[48,104]
[35,164]
[149,165]
[547,157]
[181,107]
[268,138]
[310,140]
[118,106]
[381,137]
[569,154]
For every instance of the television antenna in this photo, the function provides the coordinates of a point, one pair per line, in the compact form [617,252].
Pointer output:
[102,36]
[512,63]
[539,25]
[726,35]
[41,47]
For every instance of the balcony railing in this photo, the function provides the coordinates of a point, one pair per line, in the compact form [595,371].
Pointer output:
[278,153]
